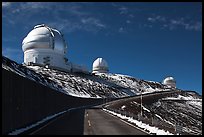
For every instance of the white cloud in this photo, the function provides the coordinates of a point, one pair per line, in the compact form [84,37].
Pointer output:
[131,16]
[156,19]
[68,16]
[190,25]
[176,22]
[76,10]
[197,26]
[6,4]
[161,18]
[41,5]
[114,4]
[93,21]
[121,30]
[87,20]
[90,24]
[99,24]
[128,21]
[28,6]
[151,19]
[164,26]
[34,5]
[65,25]
[123,10]
[173,24]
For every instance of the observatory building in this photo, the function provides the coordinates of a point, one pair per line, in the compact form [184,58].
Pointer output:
[100,66]
[47,47]
[170,82]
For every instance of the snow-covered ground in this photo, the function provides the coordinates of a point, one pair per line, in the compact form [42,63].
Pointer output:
[21,130]
[85,85]
[143,126]
[180,97]
[182,108]
[47,118]
[134,85]
[185,108]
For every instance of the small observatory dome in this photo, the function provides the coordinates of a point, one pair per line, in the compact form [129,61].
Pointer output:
[169,81]
[100,66]
[44,37]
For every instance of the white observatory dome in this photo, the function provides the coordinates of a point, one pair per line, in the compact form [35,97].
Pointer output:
[100,66]
[44,37]
[170,82]
[45,46]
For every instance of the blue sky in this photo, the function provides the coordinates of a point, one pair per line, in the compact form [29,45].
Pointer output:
[145,40]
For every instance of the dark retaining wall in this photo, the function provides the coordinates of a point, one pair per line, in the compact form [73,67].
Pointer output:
[25,101]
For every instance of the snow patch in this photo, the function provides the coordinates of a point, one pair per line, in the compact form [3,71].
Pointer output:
[145,109]
[123,107]
[21,130]
[144,126]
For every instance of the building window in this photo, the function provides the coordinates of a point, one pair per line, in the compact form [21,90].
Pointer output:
[46,60]
[35,60]
[66,60]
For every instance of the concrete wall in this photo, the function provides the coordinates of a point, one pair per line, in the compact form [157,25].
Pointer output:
[24,101]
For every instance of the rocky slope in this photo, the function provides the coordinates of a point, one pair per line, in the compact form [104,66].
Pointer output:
[84,85]
[179,112]
[183,107]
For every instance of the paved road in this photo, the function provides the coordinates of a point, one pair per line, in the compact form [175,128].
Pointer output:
[87,122]
[146,98]
[98,122]
[70,123]
[90,122]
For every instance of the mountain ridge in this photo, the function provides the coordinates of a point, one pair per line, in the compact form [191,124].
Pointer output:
[100,85]
[182,105]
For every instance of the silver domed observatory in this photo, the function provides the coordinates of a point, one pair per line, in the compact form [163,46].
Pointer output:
[46,46]
[100,66]
[170,82]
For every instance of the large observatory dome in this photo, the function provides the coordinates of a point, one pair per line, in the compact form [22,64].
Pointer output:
[100,66]
[44,37]
[169,81]
[45,46]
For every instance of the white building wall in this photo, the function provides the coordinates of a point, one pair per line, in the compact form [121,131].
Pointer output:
[46,56]
[171,84]
[100,66]
[100,71]
[46,46]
